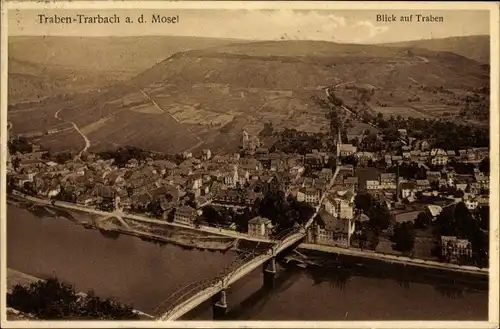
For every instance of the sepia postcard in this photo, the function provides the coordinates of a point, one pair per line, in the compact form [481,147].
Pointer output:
[249,164]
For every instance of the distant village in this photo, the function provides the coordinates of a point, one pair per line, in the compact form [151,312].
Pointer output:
[413,175]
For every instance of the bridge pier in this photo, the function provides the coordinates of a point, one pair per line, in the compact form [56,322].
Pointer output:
[269,273]
[219,305]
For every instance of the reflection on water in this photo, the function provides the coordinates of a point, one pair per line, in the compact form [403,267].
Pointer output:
[333,292]
[144,274]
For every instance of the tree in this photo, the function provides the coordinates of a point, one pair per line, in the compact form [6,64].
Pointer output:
[211,215]
[484,217]
[404,237]
[21,145]
[422,221]
[363,201]
[376,210]
[268,129]
[484,166]
[52,299]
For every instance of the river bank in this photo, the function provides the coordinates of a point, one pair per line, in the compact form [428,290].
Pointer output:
[144,274]
[189,238]
[194,242]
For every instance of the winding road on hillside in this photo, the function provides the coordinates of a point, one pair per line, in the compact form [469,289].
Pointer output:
[87,141]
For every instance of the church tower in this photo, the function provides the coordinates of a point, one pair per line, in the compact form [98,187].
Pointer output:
[245,139]
[339,141]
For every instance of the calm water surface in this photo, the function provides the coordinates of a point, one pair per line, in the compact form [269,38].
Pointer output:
[144,274]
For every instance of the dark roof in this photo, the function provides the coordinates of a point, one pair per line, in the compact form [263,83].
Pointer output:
[186,210]
[330,223]
[259,220]
[365,174]
[409,185]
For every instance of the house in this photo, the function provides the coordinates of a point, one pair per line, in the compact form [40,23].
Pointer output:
[372,185]
[312,195]
[250,143]
[351,183]
[481,153]
[347,149]
[388,181]
[31,165]
[330,230]
[423,184]
[260,227]
[470,201]
[313,161]
[195,181]
[397,159]
[326,174]
[230,177]
[424,145]
[206,154]
[405,148]
[415,155]
[439,160]
[433,176]
[388,159]
[23,178]
[408,190]
[450,154]
[185,215]
[34,155]
[482,180]
[340,204]
[433,211]
[364,157]
[187,155]
[403,132]
[453,249]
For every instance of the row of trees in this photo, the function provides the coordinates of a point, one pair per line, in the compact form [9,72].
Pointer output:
[294,141]
[56,300]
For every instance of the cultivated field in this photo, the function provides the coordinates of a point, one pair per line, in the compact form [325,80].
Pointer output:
[67,140]
[205,98]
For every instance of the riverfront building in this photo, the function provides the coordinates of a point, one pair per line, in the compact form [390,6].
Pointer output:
[185,215]
[260,227]
[453,249]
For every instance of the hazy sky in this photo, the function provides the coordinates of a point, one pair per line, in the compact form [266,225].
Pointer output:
[330,25]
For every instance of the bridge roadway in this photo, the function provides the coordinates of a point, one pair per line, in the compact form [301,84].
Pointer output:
[218,285]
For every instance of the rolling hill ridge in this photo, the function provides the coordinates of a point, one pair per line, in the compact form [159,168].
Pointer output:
[204,98]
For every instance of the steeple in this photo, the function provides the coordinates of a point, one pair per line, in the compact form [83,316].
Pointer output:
[245,139]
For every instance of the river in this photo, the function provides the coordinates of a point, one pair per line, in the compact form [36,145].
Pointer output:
[144,274]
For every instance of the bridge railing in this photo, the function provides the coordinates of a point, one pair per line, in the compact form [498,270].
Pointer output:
[190,290]
[283,234]
[181,295]
[285,237]
[224,276]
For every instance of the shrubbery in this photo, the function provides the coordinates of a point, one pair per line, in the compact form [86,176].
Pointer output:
[55,300]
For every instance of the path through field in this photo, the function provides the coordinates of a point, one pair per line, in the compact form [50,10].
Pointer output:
[87,141]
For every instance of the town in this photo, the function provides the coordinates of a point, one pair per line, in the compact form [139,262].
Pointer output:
[388,192]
